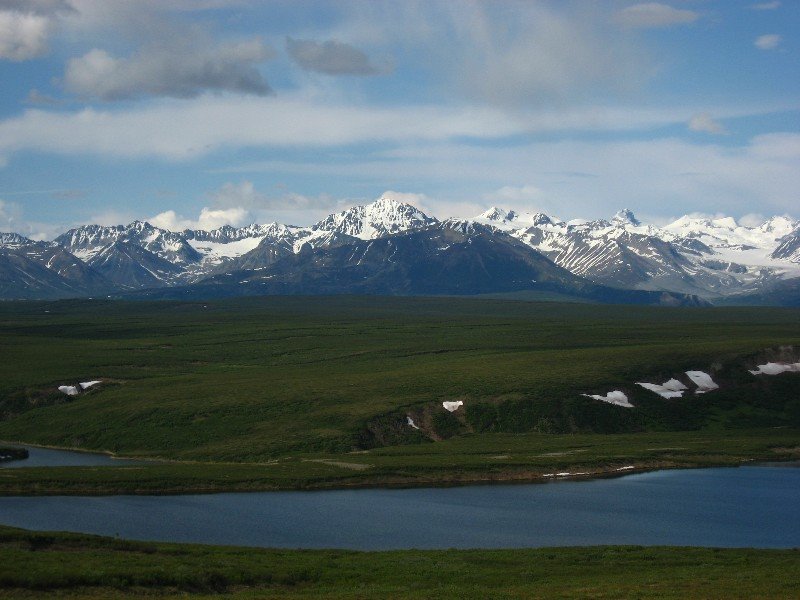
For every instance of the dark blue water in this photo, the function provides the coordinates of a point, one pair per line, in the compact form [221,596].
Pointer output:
[748,506]
[44,457]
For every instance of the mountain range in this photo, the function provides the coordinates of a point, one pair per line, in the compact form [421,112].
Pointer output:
[391,247]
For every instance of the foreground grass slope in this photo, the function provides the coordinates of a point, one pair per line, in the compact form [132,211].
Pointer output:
[47,565]
[261,378]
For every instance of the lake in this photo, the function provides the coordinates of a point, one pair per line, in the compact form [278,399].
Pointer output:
[753,506]
[47,457]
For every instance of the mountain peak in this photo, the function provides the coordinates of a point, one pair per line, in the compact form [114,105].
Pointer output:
[497,214]
[779,226]
[384,216]
[625,217]
[14,240]
[139,226]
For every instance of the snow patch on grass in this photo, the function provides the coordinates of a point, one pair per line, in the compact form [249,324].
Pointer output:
[772,368]
[703,381]
[616,397]
[452,406]
[669,389]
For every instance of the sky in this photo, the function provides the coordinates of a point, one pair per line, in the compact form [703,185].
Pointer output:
[200,113]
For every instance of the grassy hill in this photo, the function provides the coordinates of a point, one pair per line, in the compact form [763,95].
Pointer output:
[261,378]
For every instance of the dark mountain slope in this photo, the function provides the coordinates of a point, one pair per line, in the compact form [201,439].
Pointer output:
[129,265]
[438,261]
[22,278]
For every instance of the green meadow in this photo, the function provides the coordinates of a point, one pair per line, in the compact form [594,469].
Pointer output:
[282,392]
[60,565]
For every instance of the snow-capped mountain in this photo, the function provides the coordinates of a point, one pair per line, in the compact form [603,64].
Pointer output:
[438,259]
[383,217]
[710,257]
[45,268]
[14,241]
[87,241]
[788,247]
[219,247]
[707,256]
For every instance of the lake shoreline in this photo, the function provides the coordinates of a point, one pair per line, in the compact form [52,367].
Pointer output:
[378,483]
[501,460]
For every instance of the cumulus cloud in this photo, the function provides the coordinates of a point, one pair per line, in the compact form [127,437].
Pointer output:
[23,36]
[209,218]
[330,57]
[652,15]
[182,71]
[237,204]
[769,41]
[704,123]
[12,220]
[752,219]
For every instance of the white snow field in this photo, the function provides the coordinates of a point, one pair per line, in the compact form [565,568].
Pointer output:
[452,406]
[703,381]
[772,368]
[69,390]
[616,397]
[669,389]
[410,421]
[87,384]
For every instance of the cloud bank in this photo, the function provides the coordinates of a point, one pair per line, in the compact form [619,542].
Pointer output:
[330,57]
[652,14]
[184,71]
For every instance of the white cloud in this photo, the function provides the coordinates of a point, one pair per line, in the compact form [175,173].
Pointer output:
[12,219]
[590,178]
[244,194]
[654,14]
[110,216]
[514,195]
[10,214]
[769,41]
[536,57]
[180,130]
[182,71]
[238,194]
[23,36]
[703,122]
[766,5]
[751,219]
[209,218]
[507,54]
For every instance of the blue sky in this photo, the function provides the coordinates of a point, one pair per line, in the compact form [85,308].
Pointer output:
[204,112]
